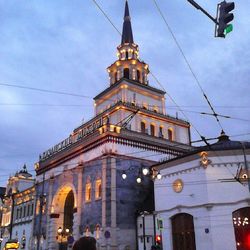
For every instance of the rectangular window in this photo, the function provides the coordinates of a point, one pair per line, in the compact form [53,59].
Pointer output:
[20,214]
[24,211]
[32,209]
[88,192]
[98,189]
[28,212]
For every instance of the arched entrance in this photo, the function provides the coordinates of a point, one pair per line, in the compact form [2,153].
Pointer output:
[63,208]
[241,222]
[183,232]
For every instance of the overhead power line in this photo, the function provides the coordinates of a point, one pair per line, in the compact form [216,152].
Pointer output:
[42,90]
[216,115]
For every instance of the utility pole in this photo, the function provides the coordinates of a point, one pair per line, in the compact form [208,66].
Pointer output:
[41,199]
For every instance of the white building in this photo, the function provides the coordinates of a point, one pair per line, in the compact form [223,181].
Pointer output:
[18,207]
[203,198]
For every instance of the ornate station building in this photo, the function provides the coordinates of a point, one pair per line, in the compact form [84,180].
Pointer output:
[92,182]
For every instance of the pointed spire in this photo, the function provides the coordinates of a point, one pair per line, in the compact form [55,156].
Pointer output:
[127,34]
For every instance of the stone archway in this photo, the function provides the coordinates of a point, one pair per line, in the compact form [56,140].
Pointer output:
[63,216]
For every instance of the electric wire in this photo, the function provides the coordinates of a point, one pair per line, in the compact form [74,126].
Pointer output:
[188,64]
[43,90]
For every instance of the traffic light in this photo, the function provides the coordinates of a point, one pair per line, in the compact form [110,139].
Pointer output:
[224,17]
[158,240]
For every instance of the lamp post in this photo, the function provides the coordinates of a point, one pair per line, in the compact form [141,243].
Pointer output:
[62,233]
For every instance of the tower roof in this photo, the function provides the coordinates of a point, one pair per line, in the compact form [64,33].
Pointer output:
[127,34]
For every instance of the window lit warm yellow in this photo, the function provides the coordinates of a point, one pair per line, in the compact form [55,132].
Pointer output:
[88,192]
[98,189]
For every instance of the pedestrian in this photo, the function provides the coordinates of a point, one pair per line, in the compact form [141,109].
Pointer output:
[85,243]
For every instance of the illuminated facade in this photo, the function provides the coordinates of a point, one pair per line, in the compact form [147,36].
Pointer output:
[82,175]
[17,217]
[203,198]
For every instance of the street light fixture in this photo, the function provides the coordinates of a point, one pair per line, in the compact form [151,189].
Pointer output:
[158,176]
[145,171]
[59,230]
[124,175]
[62,234]
[138,179]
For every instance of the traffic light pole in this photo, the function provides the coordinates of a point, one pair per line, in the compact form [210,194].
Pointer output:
[198,7]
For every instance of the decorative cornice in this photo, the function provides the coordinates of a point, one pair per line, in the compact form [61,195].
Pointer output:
[204,205]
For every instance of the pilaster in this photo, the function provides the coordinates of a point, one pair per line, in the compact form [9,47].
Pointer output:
[77,221]
[52,232]
[50,197]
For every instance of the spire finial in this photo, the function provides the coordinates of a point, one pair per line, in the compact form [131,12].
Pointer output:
[127,34]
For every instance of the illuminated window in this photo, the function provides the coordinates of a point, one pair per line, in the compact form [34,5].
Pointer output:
[44,206]
[98,189]
[143,127]
[88,192]
[170,134]
[241,222]
[152,129]
[98,232]
[37,207]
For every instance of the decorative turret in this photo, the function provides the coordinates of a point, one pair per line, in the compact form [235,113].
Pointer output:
[128,65]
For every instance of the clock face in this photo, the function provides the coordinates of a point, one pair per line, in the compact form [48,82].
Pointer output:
[178,185]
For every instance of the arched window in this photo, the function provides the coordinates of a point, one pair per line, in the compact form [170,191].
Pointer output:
[126,73]
[98,189]
[68,211]
[126,54]
[241,222]
[161,132]
[170,134]
[97,229]
[88,192]
[116,76]
[183,232]
[138,75]
[152,129]
[143,127]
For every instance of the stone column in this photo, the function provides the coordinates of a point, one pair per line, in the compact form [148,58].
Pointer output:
[104,182]
[113,204]
[78,214]
[52,243]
